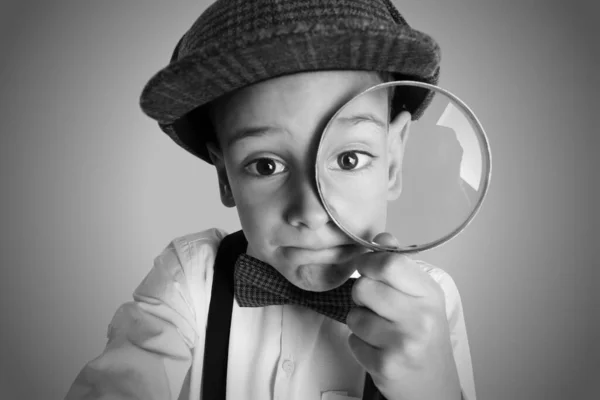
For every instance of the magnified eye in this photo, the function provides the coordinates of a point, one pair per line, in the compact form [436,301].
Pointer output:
[353,160]
[265,167]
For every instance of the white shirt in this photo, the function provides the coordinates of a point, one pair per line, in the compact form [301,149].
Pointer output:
[155,344]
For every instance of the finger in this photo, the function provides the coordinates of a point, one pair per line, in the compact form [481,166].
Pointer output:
[374,294]
[407,313]
[373,329]
[386,239]
[396,270]
[378,362]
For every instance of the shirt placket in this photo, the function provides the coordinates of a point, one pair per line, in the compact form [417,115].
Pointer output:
[287,363]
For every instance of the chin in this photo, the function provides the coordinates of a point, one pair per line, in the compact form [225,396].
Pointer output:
[317,270]
[319,277]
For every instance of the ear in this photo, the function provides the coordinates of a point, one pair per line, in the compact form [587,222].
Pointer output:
[216,156]
[397,136]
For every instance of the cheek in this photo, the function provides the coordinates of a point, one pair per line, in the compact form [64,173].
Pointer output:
[253,204]
[258,209]
[358,202]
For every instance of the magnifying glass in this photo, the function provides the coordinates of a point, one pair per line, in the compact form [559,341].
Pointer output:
[422,181]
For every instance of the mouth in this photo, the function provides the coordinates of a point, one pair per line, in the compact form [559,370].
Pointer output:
[322,247]
[334,254]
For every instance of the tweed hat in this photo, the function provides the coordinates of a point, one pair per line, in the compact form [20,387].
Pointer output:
[236,43]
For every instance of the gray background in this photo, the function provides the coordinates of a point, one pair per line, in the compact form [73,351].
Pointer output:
[92,191]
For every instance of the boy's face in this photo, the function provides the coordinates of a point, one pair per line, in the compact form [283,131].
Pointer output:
[268,137]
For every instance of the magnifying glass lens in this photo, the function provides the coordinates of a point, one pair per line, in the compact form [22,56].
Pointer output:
[423,181]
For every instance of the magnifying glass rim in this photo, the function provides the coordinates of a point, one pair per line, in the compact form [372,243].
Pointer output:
[487,158]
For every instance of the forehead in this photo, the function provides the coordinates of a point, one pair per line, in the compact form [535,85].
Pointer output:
[300,104]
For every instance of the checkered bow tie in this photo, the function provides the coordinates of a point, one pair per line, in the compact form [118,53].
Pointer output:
[257,284]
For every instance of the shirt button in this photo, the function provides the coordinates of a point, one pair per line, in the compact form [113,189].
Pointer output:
[288,367]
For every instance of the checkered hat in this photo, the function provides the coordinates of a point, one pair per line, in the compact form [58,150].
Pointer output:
[236,43]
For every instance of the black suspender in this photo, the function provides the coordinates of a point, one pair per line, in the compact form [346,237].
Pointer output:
[216,347]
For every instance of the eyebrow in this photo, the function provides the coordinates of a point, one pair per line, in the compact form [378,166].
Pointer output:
[258,131]
[359,118]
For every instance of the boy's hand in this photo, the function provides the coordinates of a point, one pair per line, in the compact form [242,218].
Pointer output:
[400,332]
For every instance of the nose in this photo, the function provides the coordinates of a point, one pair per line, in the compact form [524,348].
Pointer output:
[304,208]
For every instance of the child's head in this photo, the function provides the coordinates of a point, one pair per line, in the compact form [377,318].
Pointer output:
[255,106]
[267,137]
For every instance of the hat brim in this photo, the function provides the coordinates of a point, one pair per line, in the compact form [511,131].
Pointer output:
[220,68]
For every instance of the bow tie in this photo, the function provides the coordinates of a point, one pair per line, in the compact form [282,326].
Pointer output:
[258,284]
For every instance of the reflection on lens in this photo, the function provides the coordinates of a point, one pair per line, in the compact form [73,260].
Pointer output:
[422,181]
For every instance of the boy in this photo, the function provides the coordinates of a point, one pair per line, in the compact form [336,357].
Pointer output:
[249,89]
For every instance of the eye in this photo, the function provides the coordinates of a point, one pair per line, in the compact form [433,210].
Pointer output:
[265,167]
[353,160]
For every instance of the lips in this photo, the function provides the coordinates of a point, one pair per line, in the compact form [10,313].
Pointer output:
[321,247]
[320,254]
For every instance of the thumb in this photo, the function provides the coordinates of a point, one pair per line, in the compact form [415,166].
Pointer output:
[386,239]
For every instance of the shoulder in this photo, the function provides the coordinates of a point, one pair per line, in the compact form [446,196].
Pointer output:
[190,245]
[188,255]
[192,252]
[181,276]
